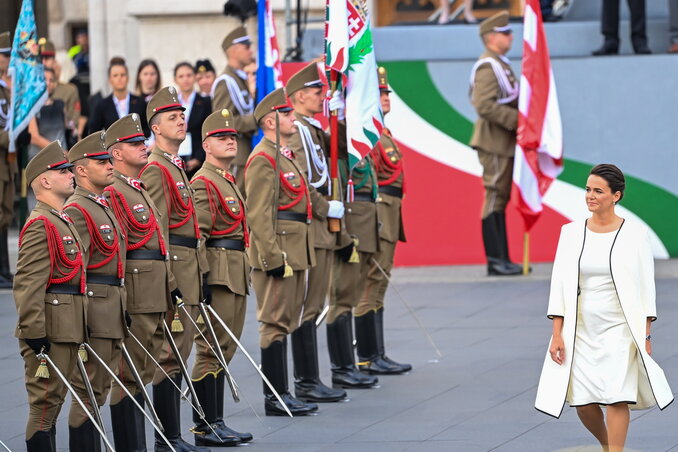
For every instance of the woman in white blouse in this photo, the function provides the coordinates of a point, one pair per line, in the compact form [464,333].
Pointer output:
[602,304]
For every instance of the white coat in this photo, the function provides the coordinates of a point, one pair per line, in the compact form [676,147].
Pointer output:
[632,269]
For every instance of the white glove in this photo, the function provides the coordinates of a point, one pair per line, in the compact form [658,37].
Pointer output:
[336,209]
[337,103]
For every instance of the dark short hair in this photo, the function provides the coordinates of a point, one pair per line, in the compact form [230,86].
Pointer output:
[116,61]
[612,175]
[183,64]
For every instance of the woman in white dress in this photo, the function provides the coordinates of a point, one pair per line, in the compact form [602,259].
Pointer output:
[602,303]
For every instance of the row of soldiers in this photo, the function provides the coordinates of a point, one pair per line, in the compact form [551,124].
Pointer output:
[122,244]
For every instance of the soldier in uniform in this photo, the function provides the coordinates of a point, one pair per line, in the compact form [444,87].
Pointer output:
[390,179]
[310,146]
[223,227]
[66,92]
[151,289]
[281,249]
[49,292]
[231,91]
[101,235]
[8,167]
[170,189]
[494,94]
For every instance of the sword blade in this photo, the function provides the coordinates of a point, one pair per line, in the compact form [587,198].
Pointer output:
[254,364]
[140,385]
[129,394]
[76,397]
[5,446]
[322,316]
[409,308]
[90,391]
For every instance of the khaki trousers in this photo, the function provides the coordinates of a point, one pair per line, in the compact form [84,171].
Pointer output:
[99,378]
[148,329]
[231,308]
[497,180]
[348,284]
[46,395]
[184,341]
[317,284]
[279,304]
[372,297]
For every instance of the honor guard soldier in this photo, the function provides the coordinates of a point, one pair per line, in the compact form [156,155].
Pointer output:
[311,146]
[388,162]
[494,94]
[281,249]
[151,289]
[101,235]
[170,189]
[8,167]
[231,91]
[223,227]
[358,243]
[49,292]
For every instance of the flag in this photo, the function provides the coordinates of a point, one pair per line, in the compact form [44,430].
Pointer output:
[29,89]
[539,146]
[269,71]
[350,50]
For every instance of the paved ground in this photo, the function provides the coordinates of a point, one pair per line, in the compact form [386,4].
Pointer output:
[478,397]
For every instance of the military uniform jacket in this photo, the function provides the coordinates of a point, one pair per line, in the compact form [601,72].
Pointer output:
[361,216]
[100,233]
[311,146]
[68,93]
[388,162]
[144,229]
[6,169]
[494,94]
[272,236]
[50,253]
[230,90]
[221,215]
[170,189]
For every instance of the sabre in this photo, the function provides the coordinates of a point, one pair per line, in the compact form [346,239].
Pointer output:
[140,385]
[218,353]
[76,397]
[129,394]
[256,367]
[90,392]
[322,316]
[409,308]
[5,446]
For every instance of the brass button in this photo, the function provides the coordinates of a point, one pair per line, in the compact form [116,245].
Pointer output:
[174,257]
[90,293]
[136,270]
[55,301]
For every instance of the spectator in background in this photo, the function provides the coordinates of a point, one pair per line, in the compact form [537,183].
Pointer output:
[610,28]
[444,18]
[198,108]
[119,103]
[148,80]
[673,26]
[79,53]
[48,125]
[205,76]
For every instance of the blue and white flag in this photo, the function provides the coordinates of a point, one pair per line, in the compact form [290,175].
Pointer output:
[29,89]
[269,70]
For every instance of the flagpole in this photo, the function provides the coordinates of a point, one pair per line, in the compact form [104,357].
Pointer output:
[334,224]
[526,253]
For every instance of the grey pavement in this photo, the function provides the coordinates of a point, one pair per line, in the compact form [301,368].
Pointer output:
[479,396]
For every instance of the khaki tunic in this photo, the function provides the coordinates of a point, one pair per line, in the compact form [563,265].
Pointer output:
[279,300]
[59,317]
[8,166]
[494,134]
[68,93]
[243,122]
[228,268]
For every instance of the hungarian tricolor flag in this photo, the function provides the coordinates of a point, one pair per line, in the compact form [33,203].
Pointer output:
[350,51]
[539,146]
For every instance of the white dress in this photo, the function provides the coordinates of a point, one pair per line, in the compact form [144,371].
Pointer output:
[605,365]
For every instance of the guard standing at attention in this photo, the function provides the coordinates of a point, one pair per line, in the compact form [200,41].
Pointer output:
[281,249]
[494,94]
[231,91]
[311,147]
[151,289]
[170,189]
[388,161]
[49,292]
[223,227]
[101,235]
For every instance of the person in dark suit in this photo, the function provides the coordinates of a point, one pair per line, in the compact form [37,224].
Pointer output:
[609,25]
[119,103]
[198,108]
